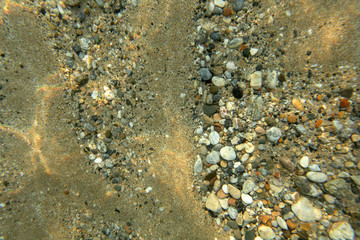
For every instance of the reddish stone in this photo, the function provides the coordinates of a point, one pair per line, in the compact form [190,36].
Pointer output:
[344,103]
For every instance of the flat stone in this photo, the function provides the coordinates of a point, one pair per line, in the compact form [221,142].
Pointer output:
[248,186]
[246,199]
[317,177]
[273,134]
[356,179]
[234,192]
[232,224]
[255,80]
[272,79]
[338,187]
[266,233]
[288,164]
[304,162]
[282,223]
[213,157]
[213,204]
[228,153]
[214,137]
[341,231]
[219,3]
[305,211]
[235,43]
[198,167]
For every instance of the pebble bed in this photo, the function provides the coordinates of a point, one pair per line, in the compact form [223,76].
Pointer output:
[277,150]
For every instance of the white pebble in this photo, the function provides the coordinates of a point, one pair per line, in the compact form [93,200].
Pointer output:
[304,162]
[253,51]
[246,199]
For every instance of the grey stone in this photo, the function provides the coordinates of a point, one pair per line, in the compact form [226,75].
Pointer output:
[213,157]
[235,43]
[198,167]
[281,223]
[214,137]
[205,74]
[254,107]
[236,4]
[89,127]
[255,80]
[273,134]
[288,164]
[338,188]
[233,212]
[101,146]
[248,186]
[209,110]
[300,129]
[317,177]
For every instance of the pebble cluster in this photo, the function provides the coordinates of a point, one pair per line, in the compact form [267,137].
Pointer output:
[278,150]
[278,153]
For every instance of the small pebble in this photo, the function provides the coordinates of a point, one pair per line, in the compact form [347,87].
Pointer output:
[228,153]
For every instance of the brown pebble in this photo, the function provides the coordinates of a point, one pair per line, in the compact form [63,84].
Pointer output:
[287,164]
[232,202]
[344,103]
[217,127]
[223,164]
[264,219]
[341,114]
[108,134]
[216,117]
[291,224]
[286,234]
[305,227]
[228,12]
[66,192]
[318,123]
[292,118]
[221,194]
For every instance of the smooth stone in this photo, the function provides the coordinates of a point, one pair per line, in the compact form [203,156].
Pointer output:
[218,81]
[288,164]
[255,80]
[198,167]
[219,3]
[228,153]
[234,192]
[253,51]
[249,147]
[236,4]
[235,43]
[205,74]
[317,177]
[338,188]
[282,223]
[272,79]
[246,199]
[209,110]
[231,67]
[304,162]
[214,137]
[213,204]
[328,198]
[356,179]
[305,211]
[224,203]
[213,157]
[233,212]
[266,233]
[314,168]
[273,134]
[341,231]
[248,186]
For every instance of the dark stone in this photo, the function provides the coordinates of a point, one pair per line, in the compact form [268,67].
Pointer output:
[259,67]
[232,224]
[246,52]
[215,36]
[303,184]
[346,92]
[237,92]
[209,110]
[250,235]
[77,49]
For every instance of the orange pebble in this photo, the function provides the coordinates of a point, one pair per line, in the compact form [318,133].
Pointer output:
[318,123]
[292,118]
[344,103]
[297,104]
[341,114]
[228,12]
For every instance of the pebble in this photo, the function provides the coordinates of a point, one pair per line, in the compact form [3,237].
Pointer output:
[317,177]
[233,212]
[213,204]
[304,162]
[234,192]
[248,186]
[341,231]
[328,198]
[273,134]
[236,4]
[213,157]
[246,199]
[235,43]
[228,153]
[304,210]
[218,81]
[255,80]
[101,146]
[282,223]
[288,164]
[219,3]
[198,167]
[266,233]
[214,137]
[253,51]
[231,67]
[315,168]
[356,179]
[205,74]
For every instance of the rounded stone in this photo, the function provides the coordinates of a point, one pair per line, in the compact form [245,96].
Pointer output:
[233,212]
[218,81]
[248,186]
[234,192]
[266,233]
[214,137]
[228,153]
[273,134]
[304,162]
[246,199]
[213,157]
[205,74]
[317,177]
[255,80]
[213,204]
